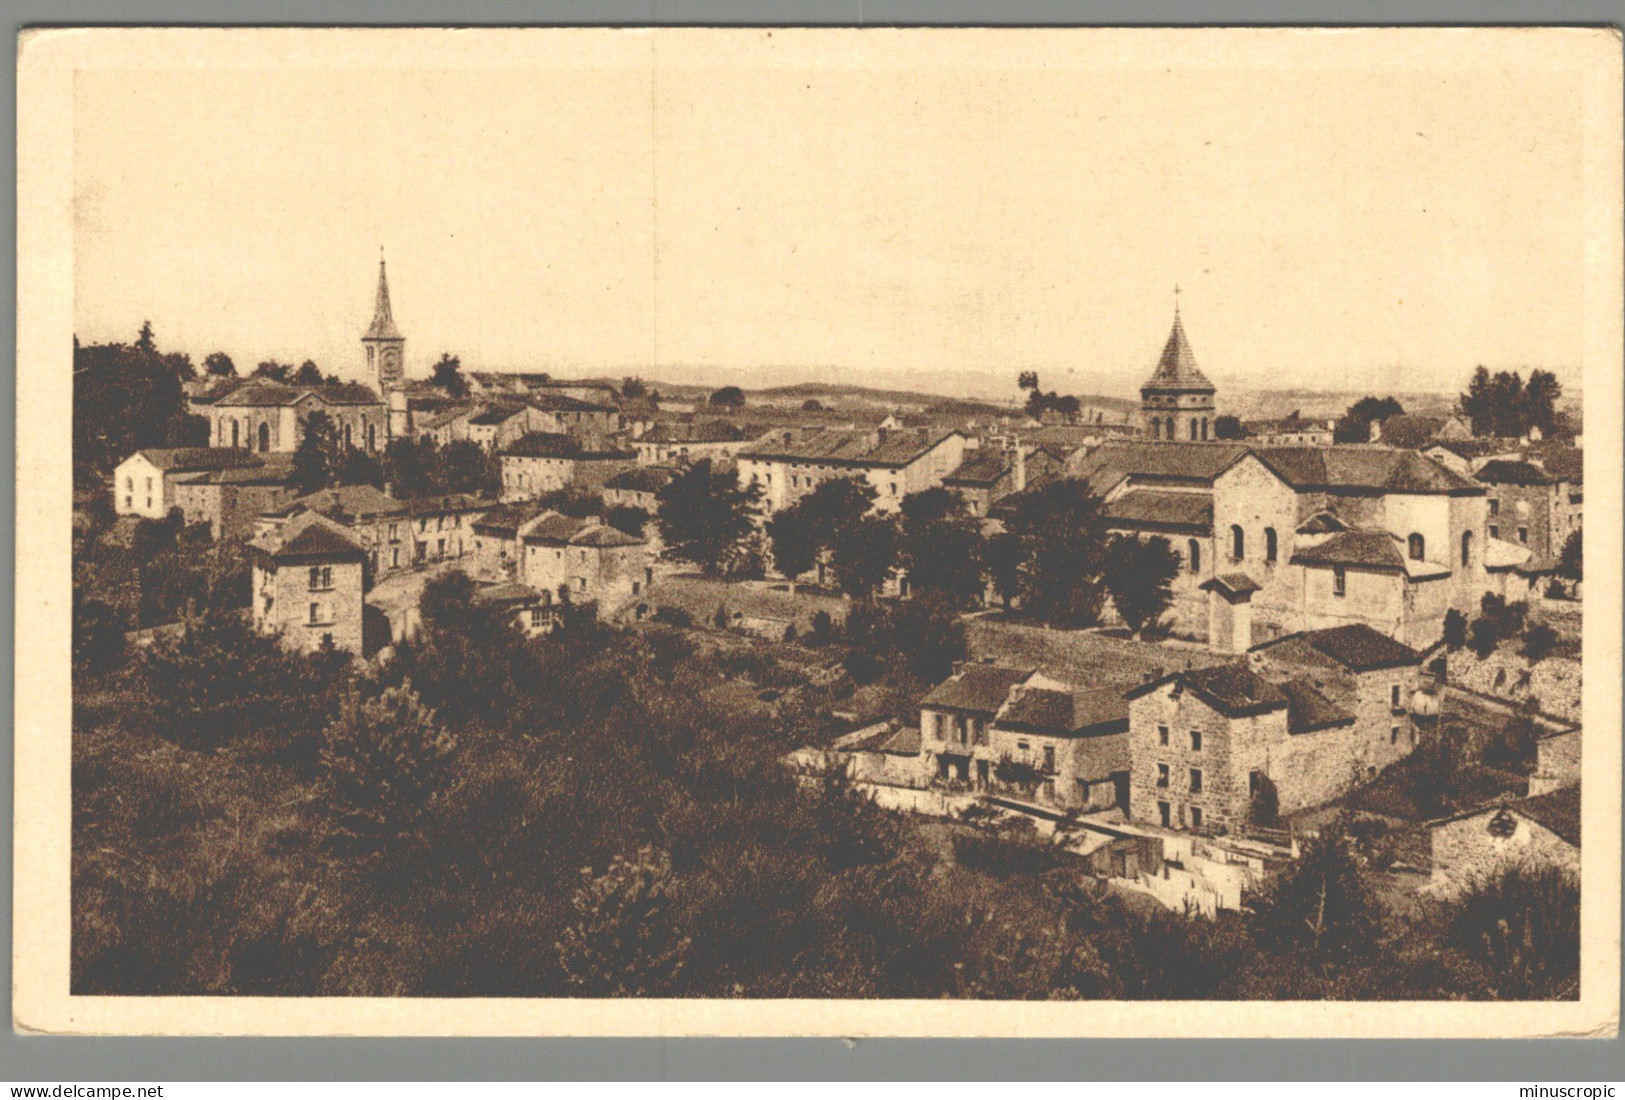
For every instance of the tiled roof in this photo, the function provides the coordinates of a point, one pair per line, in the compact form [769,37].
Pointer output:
[1110,463]
[1321,523]
[555,529]
[1361,549]
[1235,584]
[1176,368]
[276,469]
[446,416]
[558,445]
[641,479]
[708,431]
[1369,469]
[1162,510]
[1233,690]
[1308,710]
[199,458]
[310,536]
[1500,471]
[984,466]
[1357,647]
[1478,448]
[604,536]
[349,502]
[981,688]
[507,592]
[1500,554]
[1558,811]
[562,402]
[446,505]
[258,394]
[848,448]
[1053,710]
[905,742]
[506,519]
[495,414]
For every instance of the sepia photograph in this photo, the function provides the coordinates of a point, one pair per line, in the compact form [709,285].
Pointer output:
[855,532]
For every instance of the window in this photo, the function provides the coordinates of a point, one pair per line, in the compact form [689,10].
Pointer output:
[1193,427]
[395,557]
[1163,814]
[1238,542]
[1523,535]
[1023,745]
[978,731]
[1196,740]
[321,577]
[1194,555]
[372,437]
[1393,735]
[1049,758]
[1271,547]
[1495,507]
[1255,780]
[327,641]
[265,437]
[1495,533]
[1162,775]
[315,612]
[1340,581]
[1417,546]
[1196,817]
[960,732]
[535,616]
[1196,781]
[1162,735]
[1467,547]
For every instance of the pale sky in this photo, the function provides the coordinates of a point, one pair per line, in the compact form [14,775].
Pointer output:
[875,208]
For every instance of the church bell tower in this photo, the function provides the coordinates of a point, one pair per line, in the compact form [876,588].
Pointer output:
[1176,402]
[385,346]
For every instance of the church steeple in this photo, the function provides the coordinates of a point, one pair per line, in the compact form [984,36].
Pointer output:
[1176,402]
[385,345]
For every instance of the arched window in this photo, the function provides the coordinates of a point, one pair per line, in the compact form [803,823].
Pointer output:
[265,436]
[1238,542]
[1204,429]
[348,439]
[1271,548]
[1156,428]
[1193,556]
[1193,430]
[372,437]
[1466,548]
[235,430]
[1417,547]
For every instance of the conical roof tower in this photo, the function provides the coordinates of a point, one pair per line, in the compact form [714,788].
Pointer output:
[1176,402]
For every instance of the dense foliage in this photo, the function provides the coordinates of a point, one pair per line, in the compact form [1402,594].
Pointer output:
[1503,404]
[126,397]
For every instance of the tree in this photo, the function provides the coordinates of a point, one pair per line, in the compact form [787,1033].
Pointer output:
[941,545]
[1027,380]
[729,397]
[812,405]
[308,374]
[464,466]
[1455,629]
[864,554]
[1324,902]
[357,467]
[1140,576]
[1063,543]
[1264,807]
[144,341]
[1068,406]
[1228,427]
[706,517]
[448,375]
[794,541]
[272,371]
[621,939]
[126,397]
[1571,561]
[98,635]
[1003,558]
[317,459]
[627,518]
[1541,395]
[219,365]
[385,759]
[1355,424]
[633,389]
[1539,640]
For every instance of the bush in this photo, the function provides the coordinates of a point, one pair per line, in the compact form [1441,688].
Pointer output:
[1265,807]
[823,629]
[385,758]
[1004,856]
[1455,629]
[672,615]
[1524,927]
[1539,640]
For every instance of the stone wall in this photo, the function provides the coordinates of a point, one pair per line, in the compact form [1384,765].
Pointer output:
[284,595]
[1476,848]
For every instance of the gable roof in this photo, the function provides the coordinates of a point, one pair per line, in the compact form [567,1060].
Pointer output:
[983,466]
[1557,810]
[1501,471]
[495,414]
[1374,550]
[1062,709]
[1409,431]
[641,479]
[1356,646]
[263,394]
[308,537]
[705,431]
[182,459]
[348,502]
[1162,510]
[979,688]
[1307,710]
[1107,465]
[506,519]
[1363,469]
[854,448]
[1234,690]
[603,536]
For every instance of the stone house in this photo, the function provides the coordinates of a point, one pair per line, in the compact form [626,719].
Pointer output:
[675,444]
[988,474]
[444,426]
[534,612]
[545,462]
[495,426]
[1475,846]
[571,415]
[788,463]
[268,416]
[497,532]
[584,560]
[378,523]
[308,584]
[1529,506]
[1313,716]
[144,484]
[443,527]
[955,717]
[231,500]
[638,488]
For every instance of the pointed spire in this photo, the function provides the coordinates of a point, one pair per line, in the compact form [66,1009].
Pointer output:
[1177,366]
[383,322]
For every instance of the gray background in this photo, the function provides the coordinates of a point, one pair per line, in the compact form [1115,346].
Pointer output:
[35,1059]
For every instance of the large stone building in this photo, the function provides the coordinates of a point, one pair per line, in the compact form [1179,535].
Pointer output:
[787,464]
[146,483]
[545,462]
[584,560]
[230,500]
[1328,535]
[308,585]
[1530,506]
[267,416]
[1311,716]
[1177,401]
